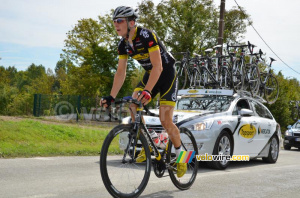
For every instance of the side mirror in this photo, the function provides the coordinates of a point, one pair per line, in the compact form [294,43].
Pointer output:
[247,112]
[289,127]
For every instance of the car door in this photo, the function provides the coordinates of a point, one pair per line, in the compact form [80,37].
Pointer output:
[265,123]
[245,130]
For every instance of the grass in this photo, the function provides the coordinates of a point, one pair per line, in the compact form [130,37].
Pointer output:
[30,138]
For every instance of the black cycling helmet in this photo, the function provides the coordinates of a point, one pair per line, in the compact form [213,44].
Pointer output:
[124,11]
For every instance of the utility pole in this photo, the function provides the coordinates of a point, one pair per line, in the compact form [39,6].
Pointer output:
[221,24]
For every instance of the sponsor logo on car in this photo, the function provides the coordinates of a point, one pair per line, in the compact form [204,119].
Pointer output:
[247,131]
[263,131]
[193,91]
[213,91]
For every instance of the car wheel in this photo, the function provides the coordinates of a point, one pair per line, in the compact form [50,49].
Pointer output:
[286,147]
[223,146]
[273,151]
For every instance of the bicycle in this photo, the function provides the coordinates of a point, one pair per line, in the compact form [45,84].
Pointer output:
[295,114]
[187,72]
[245,76]
[123,176]
[214,71]
[269,88]
[182,69]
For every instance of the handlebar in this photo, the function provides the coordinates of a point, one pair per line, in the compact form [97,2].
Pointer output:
[129,99]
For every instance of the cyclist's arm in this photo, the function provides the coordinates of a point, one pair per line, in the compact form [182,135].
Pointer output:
[157,68]
[119,77]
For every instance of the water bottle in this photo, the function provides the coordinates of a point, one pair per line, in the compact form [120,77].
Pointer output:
[164,138]
[154,137]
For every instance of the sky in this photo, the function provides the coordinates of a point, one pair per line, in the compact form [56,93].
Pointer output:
[33,31]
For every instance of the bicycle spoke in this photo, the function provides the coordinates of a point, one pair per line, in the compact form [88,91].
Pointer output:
[121,174]
[188,143]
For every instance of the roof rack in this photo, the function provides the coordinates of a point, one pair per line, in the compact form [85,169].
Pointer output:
[219,92]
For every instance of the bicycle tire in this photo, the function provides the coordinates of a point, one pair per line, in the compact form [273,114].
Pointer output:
[271,89]
[254,80]
[188,143]
[181,74]
[237,77]
[116,173]
[246,84]
[261,90]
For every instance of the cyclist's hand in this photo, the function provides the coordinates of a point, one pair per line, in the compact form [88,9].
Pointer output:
[144,97]
[106,101]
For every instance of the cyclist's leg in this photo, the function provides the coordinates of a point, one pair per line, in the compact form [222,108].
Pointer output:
[168,92]
[166,119]
[168,96]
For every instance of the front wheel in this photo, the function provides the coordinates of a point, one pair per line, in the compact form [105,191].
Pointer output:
[223,146]
[188,145]
[121,174]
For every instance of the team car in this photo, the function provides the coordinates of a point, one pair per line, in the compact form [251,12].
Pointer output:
[292,136]
[224,123]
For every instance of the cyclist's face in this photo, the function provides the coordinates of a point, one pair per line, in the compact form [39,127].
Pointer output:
[121,26]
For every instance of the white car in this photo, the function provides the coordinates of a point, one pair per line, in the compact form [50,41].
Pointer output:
[224,123]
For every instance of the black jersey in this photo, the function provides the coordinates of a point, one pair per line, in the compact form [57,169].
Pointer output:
[144,42]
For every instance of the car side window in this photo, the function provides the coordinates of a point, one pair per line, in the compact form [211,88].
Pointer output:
[297,125]
[241,104]
[260,110]
[268,114]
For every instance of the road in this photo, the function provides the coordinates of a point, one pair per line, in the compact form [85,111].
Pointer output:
[74,177]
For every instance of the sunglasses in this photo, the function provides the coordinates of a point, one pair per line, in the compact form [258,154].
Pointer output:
[118,21]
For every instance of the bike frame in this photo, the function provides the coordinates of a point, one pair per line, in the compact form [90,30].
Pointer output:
[138,125]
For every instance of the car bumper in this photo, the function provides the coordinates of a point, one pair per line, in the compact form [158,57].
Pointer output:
[291,141]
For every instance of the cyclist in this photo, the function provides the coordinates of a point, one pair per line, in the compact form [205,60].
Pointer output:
[144,46]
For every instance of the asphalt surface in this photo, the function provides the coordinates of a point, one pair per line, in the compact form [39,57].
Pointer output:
[80,177]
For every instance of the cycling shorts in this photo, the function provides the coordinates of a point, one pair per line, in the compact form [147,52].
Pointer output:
[166,86]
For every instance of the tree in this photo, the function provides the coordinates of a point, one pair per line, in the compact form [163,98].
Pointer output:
[190,24]
[93,45]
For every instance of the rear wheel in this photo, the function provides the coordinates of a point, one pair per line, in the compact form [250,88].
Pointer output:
[271,89]
[273,151]
[121,174]
[188,143]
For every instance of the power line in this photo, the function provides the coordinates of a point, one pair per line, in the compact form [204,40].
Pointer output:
[265,41]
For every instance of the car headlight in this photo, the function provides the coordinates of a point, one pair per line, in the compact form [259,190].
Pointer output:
[200,126]
[288,133]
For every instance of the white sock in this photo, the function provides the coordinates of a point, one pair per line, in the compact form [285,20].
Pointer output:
[177,151]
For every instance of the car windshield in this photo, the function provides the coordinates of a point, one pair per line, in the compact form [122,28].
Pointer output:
[296,125]
[207,103]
